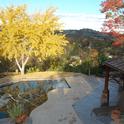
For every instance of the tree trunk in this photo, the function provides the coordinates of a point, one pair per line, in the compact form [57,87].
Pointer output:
[89,71]
[23,70]
[22,65]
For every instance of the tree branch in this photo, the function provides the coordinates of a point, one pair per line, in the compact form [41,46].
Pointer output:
[18,63]
[26,60]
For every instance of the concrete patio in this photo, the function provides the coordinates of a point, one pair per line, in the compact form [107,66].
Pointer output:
[72,105]
[59,107]
[75,105]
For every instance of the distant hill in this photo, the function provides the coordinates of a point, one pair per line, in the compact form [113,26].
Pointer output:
[86,38]
[85,35]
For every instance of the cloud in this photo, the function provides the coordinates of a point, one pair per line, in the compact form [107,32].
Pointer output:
[79,21]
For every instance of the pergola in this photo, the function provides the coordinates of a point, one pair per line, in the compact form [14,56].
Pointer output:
[114,64]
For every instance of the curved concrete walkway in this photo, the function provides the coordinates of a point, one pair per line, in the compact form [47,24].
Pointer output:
[59,107]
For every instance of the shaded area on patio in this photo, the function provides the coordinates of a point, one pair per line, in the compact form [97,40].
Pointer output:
[89,108]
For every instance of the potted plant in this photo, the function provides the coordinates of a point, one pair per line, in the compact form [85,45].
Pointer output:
[16,113]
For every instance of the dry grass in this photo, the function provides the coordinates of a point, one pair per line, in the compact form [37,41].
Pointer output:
[37,75]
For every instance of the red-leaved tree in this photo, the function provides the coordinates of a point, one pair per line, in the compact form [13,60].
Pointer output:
[114,21]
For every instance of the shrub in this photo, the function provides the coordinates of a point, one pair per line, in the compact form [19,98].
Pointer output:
[32,69]
[101,59]
[14,110]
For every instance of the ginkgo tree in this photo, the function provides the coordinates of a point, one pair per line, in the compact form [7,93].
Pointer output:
[23,36]
[114,21]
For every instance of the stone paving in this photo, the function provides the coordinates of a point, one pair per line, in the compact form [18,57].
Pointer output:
[84,107]
[70,105]
[59,107]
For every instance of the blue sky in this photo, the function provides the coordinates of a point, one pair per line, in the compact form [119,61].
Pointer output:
[68,10]
[69,6]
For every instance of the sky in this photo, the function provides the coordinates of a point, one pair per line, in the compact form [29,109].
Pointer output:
[74,14]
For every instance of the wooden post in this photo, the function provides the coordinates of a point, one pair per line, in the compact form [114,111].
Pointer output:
[105,94]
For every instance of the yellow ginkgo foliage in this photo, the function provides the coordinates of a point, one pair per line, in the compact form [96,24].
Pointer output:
[23,36]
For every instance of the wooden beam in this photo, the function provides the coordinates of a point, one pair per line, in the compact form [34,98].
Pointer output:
[105,94]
